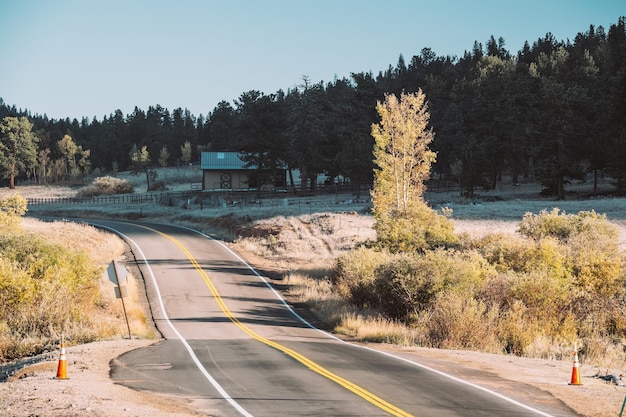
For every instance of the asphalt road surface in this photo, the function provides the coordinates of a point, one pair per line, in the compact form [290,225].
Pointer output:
[233,347]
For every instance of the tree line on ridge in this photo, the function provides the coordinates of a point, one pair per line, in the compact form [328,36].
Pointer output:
[555,111]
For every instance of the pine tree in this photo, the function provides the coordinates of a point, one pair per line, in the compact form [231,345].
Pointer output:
[18,147]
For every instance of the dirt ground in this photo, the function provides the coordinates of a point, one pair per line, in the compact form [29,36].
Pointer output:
[88,391]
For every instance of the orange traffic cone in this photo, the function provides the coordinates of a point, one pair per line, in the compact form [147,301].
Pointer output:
[576,371]
[62,368]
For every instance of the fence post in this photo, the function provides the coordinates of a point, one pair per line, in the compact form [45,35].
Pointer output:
[622,410]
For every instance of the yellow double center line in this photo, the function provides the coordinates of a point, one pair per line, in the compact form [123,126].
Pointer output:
[361,392]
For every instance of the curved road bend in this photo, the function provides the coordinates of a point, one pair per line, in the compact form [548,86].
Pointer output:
[234,348]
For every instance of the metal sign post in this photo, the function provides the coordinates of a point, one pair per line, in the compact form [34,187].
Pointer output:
[117,275]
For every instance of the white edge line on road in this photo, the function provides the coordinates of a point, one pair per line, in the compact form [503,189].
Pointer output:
[417,364]
[195,359]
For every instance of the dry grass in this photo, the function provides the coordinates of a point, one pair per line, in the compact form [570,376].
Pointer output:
[113,320]
[103,317]
[376,329]
[101,246]
[309,240]
[313,289]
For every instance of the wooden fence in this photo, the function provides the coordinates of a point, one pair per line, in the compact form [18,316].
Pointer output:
[106,199]
[242,196]
[167,197]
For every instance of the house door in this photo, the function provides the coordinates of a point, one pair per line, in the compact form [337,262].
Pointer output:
[226,181]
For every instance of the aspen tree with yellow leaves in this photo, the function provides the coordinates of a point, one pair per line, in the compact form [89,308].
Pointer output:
[401,153]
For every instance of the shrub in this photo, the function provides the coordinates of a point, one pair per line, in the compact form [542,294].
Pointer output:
[546,300]
[523,333]
[11,209]
[50,288]
[590,243]
[560,282]
[456,321]
[409,283]
[551,258]
[417,229]
[353,275]
[510,253]
[14,205]
[16,288]
[517,329]
[158,185]
[44,287]
[599,316]
[106,186]
[562,226]
[406,285]
[596,261]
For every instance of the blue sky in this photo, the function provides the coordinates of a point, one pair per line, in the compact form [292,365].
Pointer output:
[86,58]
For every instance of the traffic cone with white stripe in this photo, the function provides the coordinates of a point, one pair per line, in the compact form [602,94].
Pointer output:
[62,368]
[576,371]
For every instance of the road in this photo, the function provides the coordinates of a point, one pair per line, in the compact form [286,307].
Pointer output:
[233,347]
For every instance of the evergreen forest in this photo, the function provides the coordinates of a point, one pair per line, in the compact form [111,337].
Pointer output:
[554,111]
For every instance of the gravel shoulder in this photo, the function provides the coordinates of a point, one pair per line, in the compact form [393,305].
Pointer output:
[89,391]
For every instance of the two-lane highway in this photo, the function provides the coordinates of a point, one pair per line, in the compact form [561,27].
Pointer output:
[234,347]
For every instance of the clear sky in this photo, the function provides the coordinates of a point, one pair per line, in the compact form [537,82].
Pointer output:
[86,58]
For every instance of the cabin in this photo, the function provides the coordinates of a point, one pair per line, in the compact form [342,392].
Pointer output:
[228,171]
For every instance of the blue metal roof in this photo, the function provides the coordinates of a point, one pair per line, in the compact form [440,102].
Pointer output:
[222,161]
[227,161]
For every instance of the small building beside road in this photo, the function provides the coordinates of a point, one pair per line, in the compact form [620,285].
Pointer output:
[230,171]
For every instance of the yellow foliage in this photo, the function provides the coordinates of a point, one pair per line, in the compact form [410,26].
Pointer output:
[353,274]
[416,229]
[46,289]
[11,209]
[401,152]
